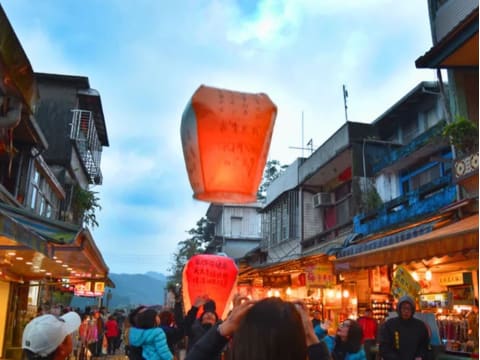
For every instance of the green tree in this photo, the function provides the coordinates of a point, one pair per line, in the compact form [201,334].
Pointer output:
[199,238]
[273,169]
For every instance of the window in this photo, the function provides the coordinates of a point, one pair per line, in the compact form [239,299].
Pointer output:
[424,177]
[236,223]
[414,178]
[280,223]
[43,199]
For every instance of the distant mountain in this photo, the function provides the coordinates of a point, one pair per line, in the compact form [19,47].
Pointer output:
[130,291]
[156,275]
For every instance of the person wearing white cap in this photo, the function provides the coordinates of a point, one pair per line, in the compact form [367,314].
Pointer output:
[48,337]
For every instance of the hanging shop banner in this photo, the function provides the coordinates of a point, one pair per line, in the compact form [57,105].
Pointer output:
[320,275]
[378,277]
[211,275]
[455,278]
[404,284]
[99,287]
[89,289]
[277,281]
[299,279]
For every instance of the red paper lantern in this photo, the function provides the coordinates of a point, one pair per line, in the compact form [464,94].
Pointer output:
[211,275]
[226,137]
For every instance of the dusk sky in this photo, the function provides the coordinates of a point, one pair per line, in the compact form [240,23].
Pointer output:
[147,58]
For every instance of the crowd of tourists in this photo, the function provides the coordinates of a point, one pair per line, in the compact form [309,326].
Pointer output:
[266,329]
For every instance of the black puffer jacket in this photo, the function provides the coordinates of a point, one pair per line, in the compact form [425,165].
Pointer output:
[404,339]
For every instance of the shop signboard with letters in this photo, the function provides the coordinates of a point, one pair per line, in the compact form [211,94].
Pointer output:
[320,275]
[404,284]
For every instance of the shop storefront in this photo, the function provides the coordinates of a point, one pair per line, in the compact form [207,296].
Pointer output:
[41,264]
[439,269]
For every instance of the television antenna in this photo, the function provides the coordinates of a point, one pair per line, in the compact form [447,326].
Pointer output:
[345,96]
[303,148]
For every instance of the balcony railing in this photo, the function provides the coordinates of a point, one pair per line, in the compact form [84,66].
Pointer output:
[84,134]
[422,202]
[405,151]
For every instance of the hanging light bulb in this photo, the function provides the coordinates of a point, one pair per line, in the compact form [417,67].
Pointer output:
[346,294]
[276,293]
[288,291]
[428,275]
[269,293]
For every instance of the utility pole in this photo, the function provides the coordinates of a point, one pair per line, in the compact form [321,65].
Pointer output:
[345,95]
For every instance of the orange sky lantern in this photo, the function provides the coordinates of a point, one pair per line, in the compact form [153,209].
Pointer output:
[226,137]
[211,275]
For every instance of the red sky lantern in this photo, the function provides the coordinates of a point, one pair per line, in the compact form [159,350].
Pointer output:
[226,137]
[211,275]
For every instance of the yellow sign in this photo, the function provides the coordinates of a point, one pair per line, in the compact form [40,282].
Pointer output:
[99,287]
[455,278]
[320,275]
[404,284]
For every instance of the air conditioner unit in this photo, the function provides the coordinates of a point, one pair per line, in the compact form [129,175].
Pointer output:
[322,199]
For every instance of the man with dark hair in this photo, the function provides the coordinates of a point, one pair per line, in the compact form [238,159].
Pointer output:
[404,337]
[196,328]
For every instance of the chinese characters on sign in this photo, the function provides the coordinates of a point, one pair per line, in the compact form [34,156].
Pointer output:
[404,284]
[211,275]
[455,278]
[87,290]
[320,275]
[379,281]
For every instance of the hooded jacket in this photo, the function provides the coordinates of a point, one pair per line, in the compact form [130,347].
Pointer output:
[404,339]
[408,299]
[153,342]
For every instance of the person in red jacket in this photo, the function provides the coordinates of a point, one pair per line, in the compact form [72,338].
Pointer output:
[369,326]
[111,332]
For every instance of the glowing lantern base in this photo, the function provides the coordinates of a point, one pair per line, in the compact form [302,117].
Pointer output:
[226,137]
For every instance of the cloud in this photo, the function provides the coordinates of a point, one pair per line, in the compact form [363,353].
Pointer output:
[147,58]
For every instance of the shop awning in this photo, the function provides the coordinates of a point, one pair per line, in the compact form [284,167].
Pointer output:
[458,48]
[461,236]
[34,231]
[42,246]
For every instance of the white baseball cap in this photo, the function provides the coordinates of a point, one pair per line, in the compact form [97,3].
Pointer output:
[45,333]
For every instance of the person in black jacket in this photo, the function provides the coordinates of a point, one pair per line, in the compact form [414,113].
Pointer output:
[173,324]
[268,329]
[404,337]
[196,328]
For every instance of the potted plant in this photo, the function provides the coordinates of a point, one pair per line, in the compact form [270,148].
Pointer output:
[84,205]
[463,134]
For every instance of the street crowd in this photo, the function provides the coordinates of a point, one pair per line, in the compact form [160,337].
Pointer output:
[265,329]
